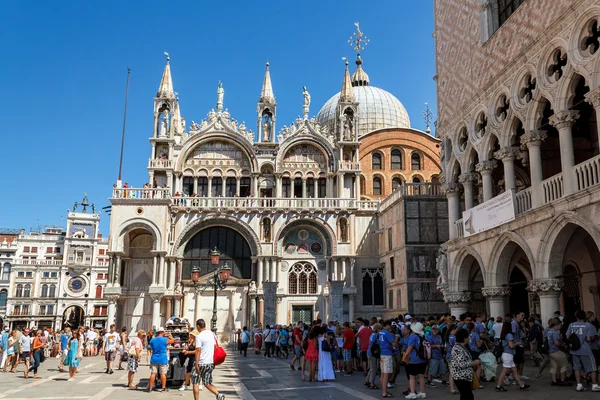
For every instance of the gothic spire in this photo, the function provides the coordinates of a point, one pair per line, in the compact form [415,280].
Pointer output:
[266,94]
[165,90]
[347,95]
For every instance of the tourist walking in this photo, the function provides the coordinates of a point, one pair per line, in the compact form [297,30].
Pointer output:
[123,346]
[37,352]
[10,351]
[556,350]
[111,344]
[245,338]
[325,363]
[297,342]
[159,362]
[270,337]
[583,333]
[64,344]
[190,354]
[74,354]
[462,365]
[134,353]
[25,351]
[416,365]
[205,350]
[373,358]
[436,364]
[509,345]
[4,347]
[312,353]
[386,343]
[348,343]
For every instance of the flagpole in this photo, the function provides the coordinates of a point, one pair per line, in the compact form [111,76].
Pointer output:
[119,182]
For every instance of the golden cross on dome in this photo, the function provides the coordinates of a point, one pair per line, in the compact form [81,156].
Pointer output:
[358,40]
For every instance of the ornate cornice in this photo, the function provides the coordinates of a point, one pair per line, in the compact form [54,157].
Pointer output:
[496,291]
[507,153]
[533,138]
[457,297]
[564,119]
[489,165]
[593,97]
[545,285]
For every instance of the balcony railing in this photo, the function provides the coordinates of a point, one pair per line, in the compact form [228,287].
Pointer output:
[38,262]
[147,193]
[160,163]
[588,173]
[264,203]
[523,201]
[460,228]
[553,188]
[411,189]
[349,166]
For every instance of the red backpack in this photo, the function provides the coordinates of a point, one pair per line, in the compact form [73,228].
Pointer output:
[219,353]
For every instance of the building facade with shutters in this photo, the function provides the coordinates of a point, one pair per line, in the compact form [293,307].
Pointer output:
[285,208]
[518,98]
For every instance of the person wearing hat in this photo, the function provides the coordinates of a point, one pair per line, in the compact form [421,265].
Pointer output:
[416,366]
[190,354]
[159,362]
[436,364]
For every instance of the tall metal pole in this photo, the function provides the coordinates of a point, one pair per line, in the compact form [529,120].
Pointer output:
[214,316]
[124,124]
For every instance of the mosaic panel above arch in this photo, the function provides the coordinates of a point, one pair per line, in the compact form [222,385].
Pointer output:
[305,156]
[303,241]
[218,153]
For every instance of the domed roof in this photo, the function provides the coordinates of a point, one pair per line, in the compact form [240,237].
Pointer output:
[377,109]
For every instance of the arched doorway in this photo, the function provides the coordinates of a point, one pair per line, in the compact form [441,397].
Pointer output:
[471,280]
[73,317]
[519,296]
[571,290]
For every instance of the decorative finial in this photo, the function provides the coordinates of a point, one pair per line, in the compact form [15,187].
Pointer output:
[358,41]
[168,57]
[220,95]
[427,117]
[267,64]
[306,105]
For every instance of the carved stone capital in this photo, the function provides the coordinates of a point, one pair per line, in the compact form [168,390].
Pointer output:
[450,188]
[564,119]
[593,97]
[486,166]
[507,153]
[495,291]
[156,297]
[533,138]
[468,177]
[457,297]
[545,285]
[112,298]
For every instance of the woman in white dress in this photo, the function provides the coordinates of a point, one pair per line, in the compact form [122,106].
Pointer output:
[325,363]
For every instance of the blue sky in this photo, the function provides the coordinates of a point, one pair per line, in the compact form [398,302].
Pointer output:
[65,68]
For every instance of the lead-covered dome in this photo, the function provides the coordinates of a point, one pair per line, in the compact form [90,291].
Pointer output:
[377,109]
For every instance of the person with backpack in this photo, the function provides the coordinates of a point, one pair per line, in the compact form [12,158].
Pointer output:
[373,355]
[418,353]
[386,341]
[508,344]
[579,335]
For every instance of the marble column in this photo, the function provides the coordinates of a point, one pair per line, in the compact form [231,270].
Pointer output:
[458,302]
[564,122]
[252,313]
[259,273]
[261,311]
[336,294]
[177,306]
[352,264]
[351,306]
[452,193]
[292,187]
[343,277]
[118,271]
[304,196]
[270,302]
[112,309]
[593,97]
[548,291]
[156,309]
[316,188]
[154,269]
[273,274]
[168,304]
[533,140]
[508,155]
[467,180]
[497,297]
[172,267]
[486,168]
[111,271]
[237,186]
[335,277]
[340,186]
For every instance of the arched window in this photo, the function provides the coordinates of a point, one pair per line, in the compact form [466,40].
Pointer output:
[52,291]
[376,162]
[27,290]
[372,283]
[3,296]
[343,229]
[302,279]
[19,291]
[396,159]
[44,290]
[396,184]
[99,292]
[6,275]
[377,186]
[416,180]
[266,229]
[415,161]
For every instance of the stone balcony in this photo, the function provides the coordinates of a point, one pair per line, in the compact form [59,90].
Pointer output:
[157,163]
[349,166]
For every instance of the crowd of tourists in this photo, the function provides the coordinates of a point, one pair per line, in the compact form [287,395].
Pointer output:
[460,354]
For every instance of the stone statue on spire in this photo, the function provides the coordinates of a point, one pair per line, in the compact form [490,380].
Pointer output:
[306,107]
[220,95]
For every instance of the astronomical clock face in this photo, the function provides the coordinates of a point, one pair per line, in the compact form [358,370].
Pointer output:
[81,231]
[77,285]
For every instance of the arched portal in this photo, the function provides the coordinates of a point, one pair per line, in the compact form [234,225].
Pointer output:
[233,247]
[471,280]
[519,297]
[571,290]
[73,317]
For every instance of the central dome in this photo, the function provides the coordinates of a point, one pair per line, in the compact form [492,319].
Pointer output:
[377,109]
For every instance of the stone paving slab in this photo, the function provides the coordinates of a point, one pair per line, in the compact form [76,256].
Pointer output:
[250,378]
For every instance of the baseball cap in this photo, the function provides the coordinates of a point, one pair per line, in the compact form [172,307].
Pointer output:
[161,329]
[435,327]
[408,316]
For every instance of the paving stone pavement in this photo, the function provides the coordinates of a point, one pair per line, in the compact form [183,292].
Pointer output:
[246,378]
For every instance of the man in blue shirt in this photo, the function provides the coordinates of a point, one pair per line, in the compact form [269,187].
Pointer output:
[159,362]
[386,344]
[519,338]
[245,335]
[437,367]
[583,358]
[64,341]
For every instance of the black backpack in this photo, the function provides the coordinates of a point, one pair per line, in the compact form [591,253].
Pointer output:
[375,348]
[574,343]
[498,349]
[545,349]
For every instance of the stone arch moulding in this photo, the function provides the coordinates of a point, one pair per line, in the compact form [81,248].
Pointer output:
[549,267]
[567,87]
[138,223]
[458,271]
[320,144]
[498,266]
[200,224]
[237,140]
[317,223]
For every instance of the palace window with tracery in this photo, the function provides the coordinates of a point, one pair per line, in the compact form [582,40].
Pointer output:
[302,279]
[372,285]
